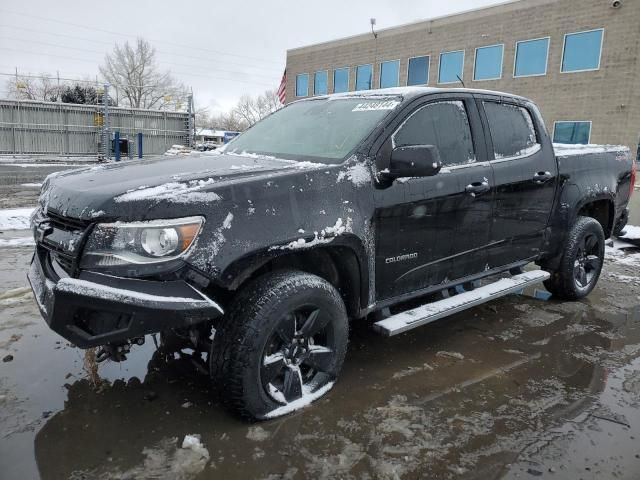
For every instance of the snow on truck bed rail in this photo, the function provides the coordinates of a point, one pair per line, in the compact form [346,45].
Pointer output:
[564,149]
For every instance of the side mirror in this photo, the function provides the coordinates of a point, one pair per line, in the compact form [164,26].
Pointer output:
[414,161]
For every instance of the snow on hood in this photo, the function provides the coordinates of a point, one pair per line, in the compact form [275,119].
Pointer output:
[171,179]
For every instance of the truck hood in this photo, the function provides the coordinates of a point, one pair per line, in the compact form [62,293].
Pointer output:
[117,189]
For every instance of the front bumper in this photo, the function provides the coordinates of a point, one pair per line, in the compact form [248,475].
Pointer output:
[96,309]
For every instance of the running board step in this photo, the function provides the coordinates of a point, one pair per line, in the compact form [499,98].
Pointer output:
[431,312]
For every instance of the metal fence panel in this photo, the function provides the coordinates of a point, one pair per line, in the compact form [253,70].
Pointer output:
[30,127]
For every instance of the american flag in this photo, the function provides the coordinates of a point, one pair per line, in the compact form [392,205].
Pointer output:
[282,89]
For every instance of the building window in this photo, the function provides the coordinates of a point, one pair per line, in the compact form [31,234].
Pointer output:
[488,64]
[341,80]
[512,130]
[390,74]
[451,64]
[582,51]
[363,77]
[572,132]
[418,71]
[302,85]
[531,57]
[320,83]
[443,124]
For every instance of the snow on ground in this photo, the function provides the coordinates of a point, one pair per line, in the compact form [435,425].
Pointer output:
[45,160]
[631,233]
[16,242]
[15,218]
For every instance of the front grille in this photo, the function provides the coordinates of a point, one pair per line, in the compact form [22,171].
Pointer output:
[65,262]
[64,242]
[65,223]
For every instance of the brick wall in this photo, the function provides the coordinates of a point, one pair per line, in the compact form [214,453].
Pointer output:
[609,97]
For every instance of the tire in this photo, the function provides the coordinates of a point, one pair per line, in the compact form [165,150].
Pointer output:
[581,262]
[281,344]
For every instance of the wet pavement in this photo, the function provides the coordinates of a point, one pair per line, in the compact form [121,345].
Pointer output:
[517,388]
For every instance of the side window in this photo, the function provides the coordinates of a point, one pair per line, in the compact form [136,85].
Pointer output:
[443,124]
[512,130]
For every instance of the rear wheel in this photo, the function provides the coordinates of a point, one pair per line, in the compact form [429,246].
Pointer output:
[280,345]
[581,262]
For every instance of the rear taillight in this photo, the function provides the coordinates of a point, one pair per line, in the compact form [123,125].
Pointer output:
[634,170]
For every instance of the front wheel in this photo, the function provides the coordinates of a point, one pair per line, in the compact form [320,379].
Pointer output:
[581,262]
[280,345]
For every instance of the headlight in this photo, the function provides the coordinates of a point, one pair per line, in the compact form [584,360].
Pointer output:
[140,243]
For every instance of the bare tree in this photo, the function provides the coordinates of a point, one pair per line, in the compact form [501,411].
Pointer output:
[138,80]
[43,88]
[229,121]
[251,109]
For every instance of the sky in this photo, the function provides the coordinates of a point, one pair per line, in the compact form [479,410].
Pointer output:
[221,49]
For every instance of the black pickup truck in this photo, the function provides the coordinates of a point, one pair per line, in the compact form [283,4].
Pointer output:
[332,209]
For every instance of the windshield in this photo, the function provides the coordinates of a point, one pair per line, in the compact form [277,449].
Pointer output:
[326,129]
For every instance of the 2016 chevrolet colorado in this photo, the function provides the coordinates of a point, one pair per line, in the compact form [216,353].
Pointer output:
[330,209]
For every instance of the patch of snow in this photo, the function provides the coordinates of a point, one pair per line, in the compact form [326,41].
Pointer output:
[244,167]
[37,185]
[178,150]
[306,398]
[15,218]
[326,235]
[227,221]
[176,192]
[564,149]
[358,174]
[17,242]
[631,232]
[91,289]
[456,355]
[258,434]
[31,165]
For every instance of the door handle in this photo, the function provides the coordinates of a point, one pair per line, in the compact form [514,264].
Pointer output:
[477,188]
[542,177]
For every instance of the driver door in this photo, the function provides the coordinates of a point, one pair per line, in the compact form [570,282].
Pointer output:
[433,230]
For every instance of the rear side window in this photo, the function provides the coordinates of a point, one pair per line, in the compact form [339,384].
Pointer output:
[512,130]
[444,125]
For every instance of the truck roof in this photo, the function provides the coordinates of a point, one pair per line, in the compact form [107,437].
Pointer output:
[409,92]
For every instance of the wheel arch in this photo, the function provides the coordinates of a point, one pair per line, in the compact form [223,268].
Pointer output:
[341,263]
[602,209]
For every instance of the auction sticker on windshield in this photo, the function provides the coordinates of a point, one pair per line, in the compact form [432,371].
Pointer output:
[368,106]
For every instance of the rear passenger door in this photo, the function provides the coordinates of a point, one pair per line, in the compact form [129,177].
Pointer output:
[525,174]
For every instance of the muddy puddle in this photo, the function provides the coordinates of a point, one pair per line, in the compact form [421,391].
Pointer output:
[518,388]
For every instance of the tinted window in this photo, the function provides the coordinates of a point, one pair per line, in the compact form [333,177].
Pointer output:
[582,51]
[531,57]
[302,85]
[320,83]
[389,72]
[363,77]
[443,124]
[418,71]
[341,80]
[450,67]
[572,132]
[488,64]
[512,130]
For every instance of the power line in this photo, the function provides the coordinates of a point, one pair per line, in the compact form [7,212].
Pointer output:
[111,32]
[167,63]
[163,52]
[117,84]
